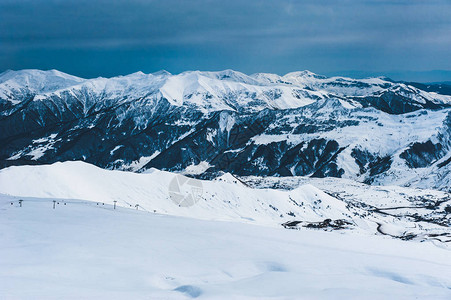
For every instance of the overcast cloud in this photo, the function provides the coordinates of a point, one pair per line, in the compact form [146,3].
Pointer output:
[107,38]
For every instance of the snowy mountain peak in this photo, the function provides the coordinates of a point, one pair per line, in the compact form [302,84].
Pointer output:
[17,85]
[162,73]
[305,73]
[31,76]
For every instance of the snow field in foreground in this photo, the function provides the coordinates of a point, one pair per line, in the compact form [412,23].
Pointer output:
[82,250]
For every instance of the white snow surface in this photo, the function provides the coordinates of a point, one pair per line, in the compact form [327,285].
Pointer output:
[219,200]
[84,251]
[247,200]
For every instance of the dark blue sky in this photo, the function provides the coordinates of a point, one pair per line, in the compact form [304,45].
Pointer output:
[400,38]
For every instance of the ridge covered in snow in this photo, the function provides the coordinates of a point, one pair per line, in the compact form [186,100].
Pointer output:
[371,130]
[211,91]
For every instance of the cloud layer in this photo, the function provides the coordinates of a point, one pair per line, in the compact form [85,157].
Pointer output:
[92,38]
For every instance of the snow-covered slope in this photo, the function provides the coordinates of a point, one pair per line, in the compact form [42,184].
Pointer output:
[220,199]
[15,86]
[83,251]
[342,206]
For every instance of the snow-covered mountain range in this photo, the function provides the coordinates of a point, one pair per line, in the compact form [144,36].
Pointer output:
[203,123]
